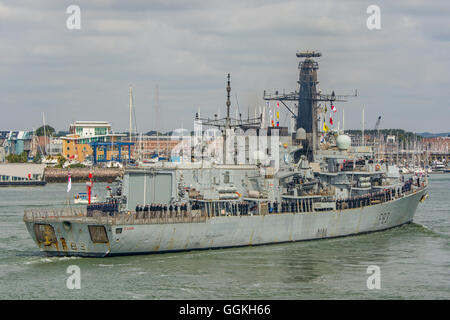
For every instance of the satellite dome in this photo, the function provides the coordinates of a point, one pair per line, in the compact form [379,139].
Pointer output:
[343,142]
[300,134]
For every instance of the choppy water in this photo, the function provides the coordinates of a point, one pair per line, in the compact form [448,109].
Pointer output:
[414,262]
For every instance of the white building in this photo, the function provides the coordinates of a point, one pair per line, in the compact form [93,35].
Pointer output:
[21,171]
[54,147]
[87,129]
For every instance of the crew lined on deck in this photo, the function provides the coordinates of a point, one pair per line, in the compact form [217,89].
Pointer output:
[217,208]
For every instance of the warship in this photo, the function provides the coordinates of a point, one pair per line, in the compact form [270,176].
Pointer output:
[239,182]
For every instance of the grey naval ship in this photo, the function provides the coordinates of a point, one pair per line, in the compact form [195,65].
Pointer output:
[259,185]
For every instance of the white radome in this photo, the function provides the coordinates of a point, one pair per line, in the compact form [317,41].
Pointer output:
[343,142]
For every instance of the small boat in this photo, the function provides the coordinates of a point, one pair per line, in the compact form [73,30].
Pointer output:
[404,170]
[419,171]
[438,166]
[82,198]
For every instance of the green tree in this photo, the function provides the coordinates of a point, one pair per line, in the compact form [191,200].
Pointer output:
[61,160]
[17,158]
[12,158]
[24,156]
[77,165]
[48,131]
[37,157]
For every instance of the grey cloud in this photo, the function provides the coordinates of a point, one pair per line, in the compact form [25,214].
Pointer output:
[187,48]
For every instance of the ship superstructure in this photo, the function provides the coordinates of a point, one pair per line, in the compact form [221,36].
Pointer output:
[240,184]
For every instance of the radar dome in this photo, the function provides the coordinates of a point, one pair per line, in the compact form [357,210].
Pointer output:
[343,142]
[300,134]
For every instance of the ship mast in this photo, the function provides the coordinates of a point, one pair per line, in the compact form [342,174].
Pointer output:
[156,119]
[307,98]
[131,107]
[228,122]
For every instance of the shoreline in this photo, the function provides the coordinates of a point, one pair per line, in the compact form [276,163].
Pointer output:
[59,175]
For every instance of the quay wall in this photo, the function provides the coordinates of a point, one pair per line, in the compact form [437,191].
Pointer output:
[52,175]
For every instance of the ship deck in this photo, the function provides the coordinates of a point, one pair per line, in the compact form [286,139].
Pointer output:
[83,216]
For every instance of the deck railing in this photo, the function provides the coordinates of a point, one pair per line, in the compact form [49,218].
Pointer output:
[81,215]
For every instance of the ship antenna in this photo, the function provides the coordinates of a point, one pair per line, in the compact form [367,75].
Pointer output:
[227,124]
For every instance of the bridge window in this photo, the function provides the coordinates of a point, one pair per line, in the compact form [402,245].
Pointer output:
[45,233]
[98,234]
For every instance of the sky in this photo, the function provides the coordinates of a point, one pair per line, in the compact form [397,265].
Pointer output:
[186,48]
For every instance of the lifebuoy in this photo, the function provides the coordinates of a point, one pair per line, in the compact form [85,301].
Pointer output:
[377,167]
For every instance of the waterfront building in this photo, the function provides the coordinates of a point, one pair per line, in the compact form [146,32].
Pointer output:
[145,147]
[54,146]
[15,142]
[15,172]
[77,145]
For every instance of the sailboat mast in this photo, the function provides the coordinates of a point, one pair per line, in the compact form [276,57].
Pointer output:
[45,135]
[156,118]
[362,129]
[131,107]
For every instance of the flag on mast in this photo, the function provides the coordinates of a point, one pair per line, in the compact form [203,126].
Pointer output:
[270,114]
[331,119]
[278,114]
[333,108]
[69,183]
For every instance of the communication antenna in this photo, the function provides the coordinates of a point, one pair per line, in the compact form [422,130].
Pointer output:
[156,118]
[131,108]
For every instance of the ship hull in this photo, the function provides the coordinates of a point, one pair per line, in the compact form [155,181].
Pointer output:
[230,231]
